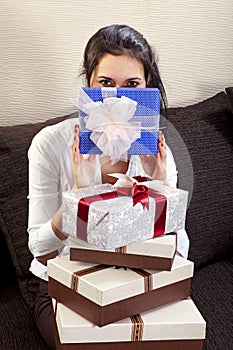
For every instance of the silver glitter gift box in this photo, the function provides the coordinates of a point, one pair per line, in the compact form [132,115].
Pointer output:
[116,222]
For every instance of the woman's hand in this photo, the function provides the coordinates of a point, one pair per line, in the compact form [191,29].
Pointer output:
[155,166]
[83,169]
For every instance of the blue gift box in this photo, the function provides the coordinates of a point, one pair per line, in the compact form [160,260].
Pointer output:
[147,112]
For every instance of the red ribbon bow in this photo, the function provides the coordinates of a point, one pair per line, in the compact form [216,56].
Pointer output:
[140,194]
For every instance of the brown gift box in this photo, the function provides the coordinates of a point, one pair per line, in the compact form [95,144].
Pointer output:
[176,326]
[104,294]
[156,254]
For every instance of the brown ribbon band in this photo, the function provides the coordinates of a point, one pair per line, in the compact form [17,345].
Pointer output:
[148,281]
[137,328]
[122,250]
[87,271]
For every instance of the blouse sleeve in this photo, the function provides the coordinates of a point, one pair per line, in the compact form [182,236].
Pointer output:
[171,169]
[182,237]
[44,195]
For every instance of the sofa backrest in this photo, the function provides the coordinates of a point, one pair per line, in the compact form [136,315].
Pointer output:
[206,131]
[204,160]
[14,143]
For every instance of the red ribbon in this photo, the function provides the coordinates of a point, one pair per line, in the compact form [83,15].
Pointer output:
[139,193]
[160,212]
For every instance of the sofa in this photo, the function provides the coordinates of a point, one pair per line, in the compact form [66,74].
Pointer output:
[201,138]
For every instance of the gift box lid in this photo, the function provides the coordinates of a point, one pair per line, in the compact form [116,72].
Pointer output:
[162,246]
[148,99]
[104,285]
[175,321]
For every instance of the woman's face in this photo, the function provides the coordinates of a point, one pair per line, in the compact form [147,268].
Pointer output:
[118,71]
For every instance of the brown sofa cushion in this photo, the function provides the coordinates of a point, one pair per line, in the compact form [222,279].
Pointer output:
[229,92]
[14,143]
[207,134]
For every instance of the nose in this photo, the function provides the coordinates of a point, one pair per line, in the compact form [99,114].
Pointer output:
[119,85]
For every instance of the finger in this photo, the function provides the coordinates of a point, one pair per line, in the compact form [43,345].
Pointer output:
[162,154]
[76,150]
[160,135]
[92,158]
[145,158]
[77,157]
[76,128]
[76,135]
[162,138]
[148,163]
[158,158]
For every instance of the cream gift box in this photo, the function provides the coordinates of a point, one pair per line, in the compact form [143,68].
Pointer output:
[104,294]
[175,326]
[156,254]
[110,217]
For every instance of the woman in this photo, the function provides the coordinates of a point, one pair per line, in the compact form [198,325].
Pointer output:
[115,56]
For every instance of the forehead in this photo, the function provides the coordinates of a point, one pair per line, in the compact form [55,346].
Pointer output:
[123,65]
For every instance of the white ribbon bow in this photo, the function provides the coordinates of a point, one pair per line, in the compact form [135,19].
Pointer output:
[124,180]
[112,131]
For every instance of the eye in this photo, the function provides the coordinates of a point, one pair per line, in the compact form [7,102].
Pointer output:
[106,82]
[132,83]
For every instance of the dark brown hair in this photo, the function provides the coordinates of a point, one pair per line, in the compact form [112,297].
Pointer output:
[118,40]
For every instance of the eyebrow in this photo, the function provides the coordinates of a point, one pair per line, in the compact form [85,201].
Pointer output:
[108,78]
[134,78]
[104,77]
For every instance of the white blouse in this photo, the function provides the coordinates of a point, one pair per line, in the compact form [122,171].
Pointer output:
[50,173]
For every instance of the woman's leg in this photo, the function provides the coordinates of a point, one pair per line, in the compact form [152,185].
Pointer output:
[44,314]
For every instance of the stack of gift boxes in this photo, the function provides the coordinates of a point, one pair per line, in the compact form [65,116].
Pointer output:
[123,285]
[133,295]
